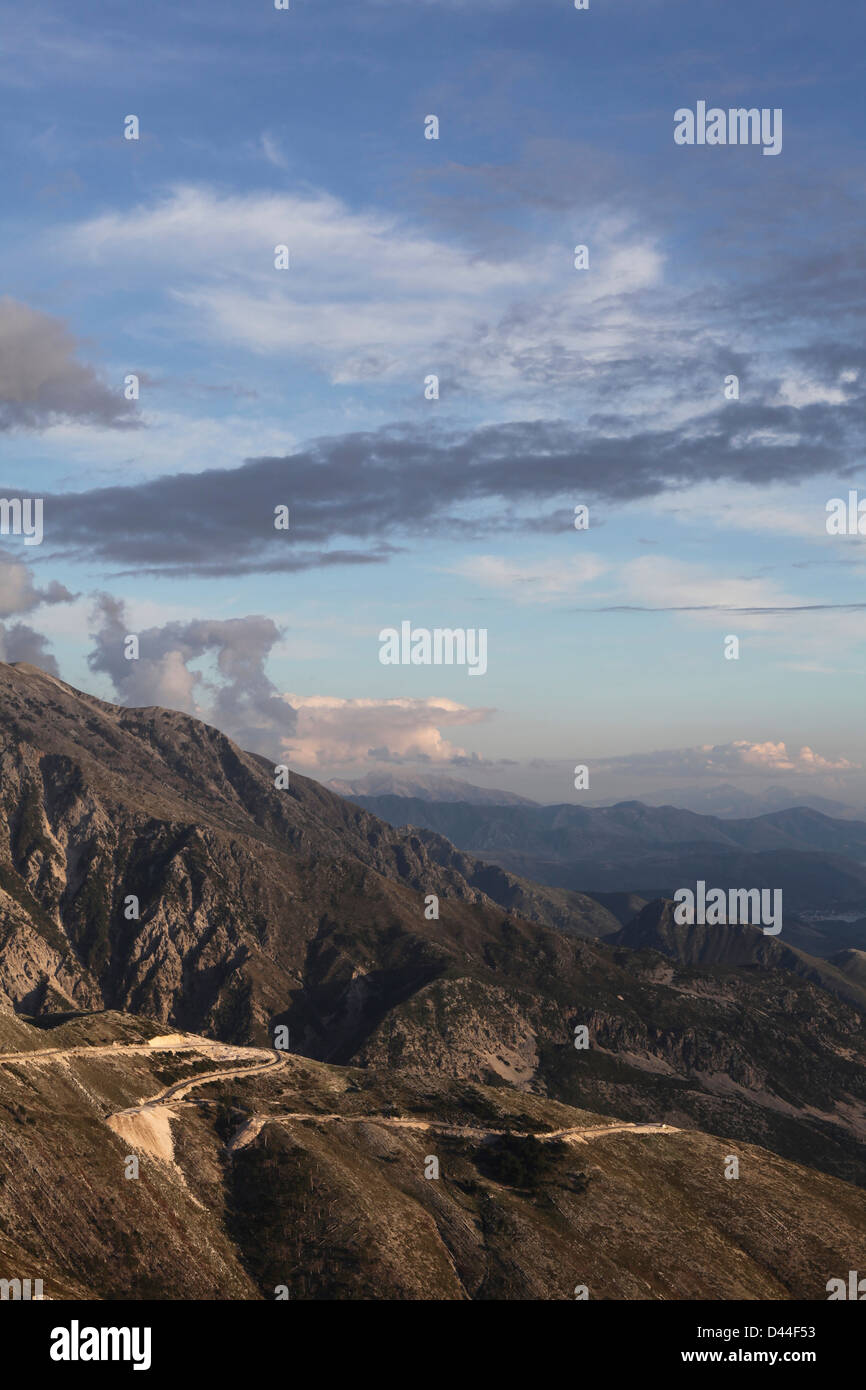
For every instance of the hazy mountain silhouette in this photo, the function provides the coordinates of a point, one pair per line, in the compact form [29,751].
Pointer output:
[818,861]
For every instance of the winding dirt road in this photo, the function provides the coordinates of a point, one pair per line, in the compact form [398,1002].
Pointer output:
[146,1126]
[577,1135]
[169,1042]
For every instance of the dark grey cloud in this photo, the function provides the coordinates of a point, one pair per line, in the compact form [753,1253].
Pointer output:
[41,380]
[21,643]
[19,594]
[241,699]
[354,498]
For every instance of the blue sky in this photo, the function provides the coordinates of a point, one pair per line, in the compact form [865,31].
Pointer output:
[558,386]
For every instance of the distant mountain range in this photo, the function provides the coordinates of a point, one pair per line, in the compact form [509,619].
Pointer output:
[432,788]
[723,800]
[741,947]
[818,861]
[731,802]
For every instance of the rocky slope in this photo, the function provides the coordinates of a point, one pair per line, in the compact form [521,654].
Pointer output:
[310,1181]
[260,907]
[99,803]
[739,947]
[853,965]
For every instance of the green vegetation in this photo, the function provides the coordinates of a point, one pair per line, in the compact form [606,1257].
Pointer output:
[525,1163]
[229,1113]
[280,1216]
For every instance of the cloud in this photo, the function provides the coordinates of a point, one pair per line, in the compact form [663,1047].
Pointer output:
[353,497]
[170,441]
[483,293]
[214,669]
[534,581]
[272,152]
[413,289]
[19,594]
[368,292]
[753,610]
[739,294]
[809,761]
[738,757]
[238,698]
[786,510]
[663,584]
[41,381]
[333,732]
[20,642]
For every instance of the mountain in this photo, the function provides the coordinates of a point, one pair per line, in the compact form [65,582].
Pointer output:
[727,801]
[819,862]
[630,825]
[260,1174]
[234,879]
[260,907]
[740,947]
[852,964]
[624,906]
[432,788]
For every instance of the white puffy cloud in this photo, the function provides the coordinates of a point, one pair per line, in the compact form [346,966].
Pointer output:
[775,757]
[333,732]
[740,756]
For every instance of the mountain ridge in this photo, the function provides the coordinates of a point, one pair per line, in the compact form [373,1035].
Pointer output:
[435,787]
[818,861]
[261,907]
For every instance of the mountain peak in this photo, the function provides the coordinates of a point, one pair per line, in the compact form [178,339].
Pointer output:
[426,787]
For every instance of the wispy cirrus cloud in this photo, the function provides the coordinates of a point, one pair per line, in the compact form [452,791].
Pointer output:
[369,291]
[532,581]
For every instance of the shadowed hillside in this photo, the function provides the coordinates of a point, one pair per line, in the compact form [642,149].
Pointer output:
[318,1182]
[260,907]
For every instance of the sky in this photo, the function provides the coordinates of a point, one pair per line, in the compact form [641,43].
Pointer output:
[307,386]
